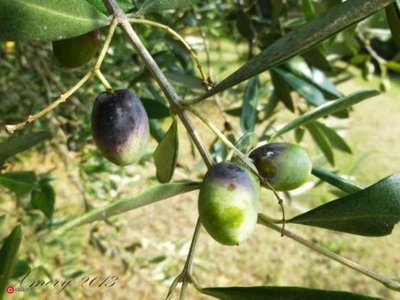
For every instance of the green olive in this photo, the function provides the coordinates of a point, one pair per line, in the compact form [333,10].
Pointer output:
[228,203]
[285,166]
[78,50]
[120,127]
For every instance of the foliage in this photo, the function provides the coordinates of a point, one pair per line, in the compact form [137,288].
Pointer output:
[287,68]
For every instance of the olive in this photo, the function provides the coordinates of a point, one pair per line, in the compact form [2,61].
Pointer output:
[285,166]
[120,127]
[228,203]
[78,50]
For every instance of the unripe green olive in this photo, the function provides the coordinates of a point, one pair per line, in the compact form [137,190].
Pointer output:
[228,203]
[78,50]
[285,166]
[120,127]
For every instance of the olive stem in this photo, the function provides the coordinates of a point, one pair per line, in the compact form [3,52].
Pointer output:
[389,283]
[168,90]
[206,82]
[63,97]
[174,101]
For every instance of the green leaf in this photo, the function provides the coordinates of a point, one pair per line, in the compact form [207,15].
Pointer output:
[248,116]
[186,81]
[335,180]
[166,154]
[15,145]
[20,182]
[156,130]
[125,5]
[279,293]
[155,109]
[21,267]
[157,5]
[300,40]
[47,20]
[282,90]
[247,142]
[321,141]
[372,211]
[2,218]
[43,198]
[8,257]
[326,109]
[334,138]
[148,196]
[309,92]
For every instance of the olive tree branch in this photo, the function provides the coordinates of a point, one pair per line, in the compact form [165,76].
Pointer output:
[389,283]
[176,107]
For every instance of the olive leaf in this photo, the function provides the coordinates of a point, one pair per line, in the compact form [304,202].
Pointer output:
[335,180]
[148,196]
[308,91]
[281,90]
[43,198]
[19,182]
[334,138]
[157,5]
[322,142]
[326,109]
[15,145]
[279,293]
[248,116]
[166,154]
[47,20]
[247,142]
[373,211]
[300,40]
[8,257]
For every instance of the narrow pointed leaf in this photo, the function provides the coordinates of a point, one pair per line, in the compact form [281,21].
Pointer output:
[326,109]
[2,218]
[15,145]
[21,267]
[47,20]
[334,138]
[124,4]
[20,182]
[148,196]
[248,116]
[166,154]
[43,198]
[282,90]
[335,180]
[374,211]
[321,141]
[157,5]
[8,257]
[302,39]
[279,293]
[308,91]
[247,142]
[155,109]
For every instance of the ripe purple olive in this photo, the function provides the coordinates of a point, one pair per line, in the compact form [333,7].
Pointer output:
[120,127]
[78,50]
[285,166]
[228,203]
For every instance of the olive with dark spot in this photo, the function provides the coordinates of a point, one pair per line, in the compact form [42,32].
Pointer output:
[120,127]
[286,166]
[228,203]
